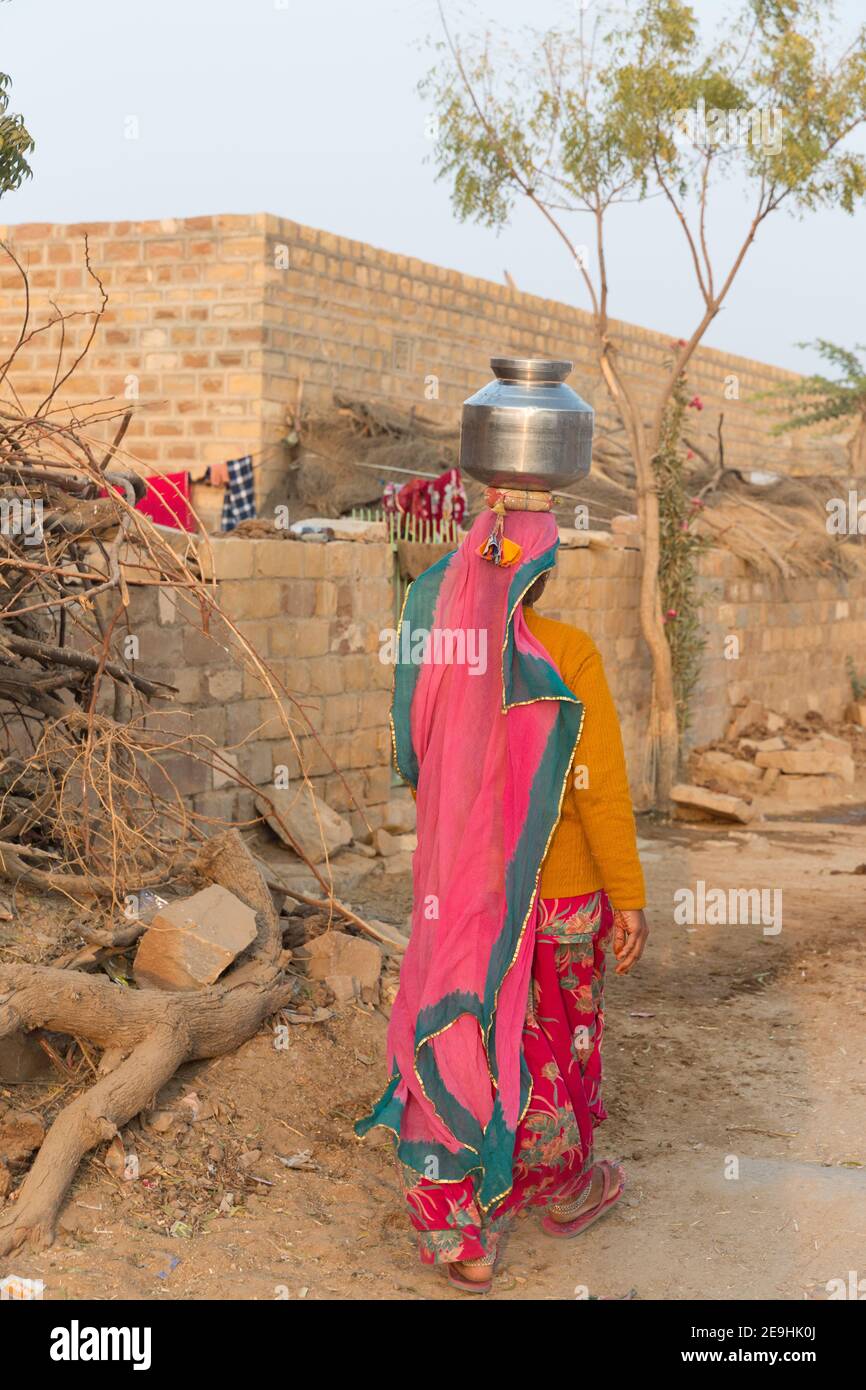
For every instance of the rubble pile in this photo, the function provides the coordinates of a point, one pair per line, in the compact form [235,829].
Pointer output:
[767,764]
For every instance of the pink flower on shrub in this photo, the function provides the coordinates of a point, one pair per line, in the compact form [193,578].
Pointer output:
[696,403]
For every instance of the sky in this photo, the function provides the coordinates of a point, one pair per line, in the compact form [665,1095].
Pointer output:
[309,109]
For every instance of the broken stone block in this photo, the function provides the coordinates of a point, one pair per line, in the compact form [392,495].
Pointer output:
[808,790]
[740,773]
[714,757]
[814,761]
[769,779]
[399,863]
[395,939]
[711,804]
[348,871]
[825,740]
[343,987]
[338,953]
[191,942]
[752,712]
[765,745]
[855,713]
[384,843]
[761,745]
[773,723]
[310,821]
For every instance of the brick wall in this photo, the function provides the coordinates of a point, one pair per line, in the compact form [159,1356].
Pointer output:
[213,322]
[598,591]
[211,325]
[794,637]
[181,338]
[315,613]
[348,315]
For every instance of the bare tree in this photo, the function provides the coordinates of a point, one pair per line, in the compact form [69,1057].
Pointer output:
[640,106]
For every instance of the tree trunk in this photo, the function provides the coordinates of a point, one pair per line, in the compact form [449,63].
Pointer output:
[663,733]
[154,1031]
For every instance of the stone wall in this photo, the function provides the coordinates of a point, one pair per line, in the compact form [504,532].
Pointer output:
[342,314]
[181,336]
[792,638]
[795,637]
[598,590]
[315,612]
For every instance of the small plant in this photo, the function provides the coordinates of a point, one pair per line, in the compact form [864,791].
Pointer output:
[858,683]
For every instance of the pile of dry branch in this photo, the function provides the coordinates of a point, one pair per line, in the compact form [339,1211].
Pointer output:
[88,807]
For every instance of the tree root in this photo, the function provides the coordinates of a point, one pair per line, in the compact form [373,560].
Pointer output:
[159,1032]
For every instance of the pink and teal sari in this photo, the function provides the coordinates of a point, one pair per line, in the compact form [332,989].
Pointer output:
[487,745]
[562,1042]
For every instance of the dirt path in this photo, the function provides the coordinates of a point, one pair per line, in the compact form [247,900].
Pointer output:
[752,1056]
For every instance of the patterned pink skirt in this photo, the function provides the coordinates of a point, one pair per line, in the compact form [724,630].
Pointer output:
[562,1040]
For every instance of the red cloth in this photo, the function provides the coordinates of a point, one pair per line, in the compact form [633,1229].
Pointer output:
[166,501]
[429,499]
[561,1043]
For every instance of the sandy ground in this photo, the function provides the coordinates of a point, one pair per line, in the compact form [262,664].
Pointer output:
[727,1051]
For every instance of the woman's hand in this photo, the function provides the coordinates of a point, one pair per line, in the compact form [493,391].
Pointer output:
[630,932]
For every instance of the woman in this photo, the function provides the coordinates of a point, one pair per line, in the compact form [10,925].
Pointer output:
[526,864]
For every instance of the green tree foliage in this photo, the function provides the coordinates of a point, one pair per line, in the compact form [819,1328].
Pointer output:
[817,399]
[16,144]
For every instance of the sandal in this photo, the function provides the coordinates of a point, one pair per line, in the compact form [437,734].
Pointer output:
[471,1285]
[581,1222]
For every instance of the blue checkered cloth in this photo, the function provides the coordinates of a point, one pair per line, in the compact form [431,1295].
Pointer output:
[239,503]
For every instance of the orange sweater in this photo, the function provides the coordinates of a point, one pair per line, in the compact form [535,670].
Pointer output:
[594,844]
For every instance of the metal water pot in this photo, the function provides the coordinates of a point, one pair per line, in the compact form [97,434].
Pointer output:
[526,428]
